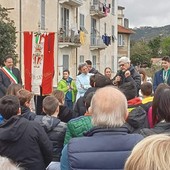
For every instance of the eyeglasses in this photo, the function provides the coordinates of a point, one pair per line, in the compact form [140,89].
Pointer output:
[121,65]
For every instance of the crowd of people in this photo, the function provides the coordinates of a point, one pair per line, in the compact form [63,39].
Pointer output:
[98,121]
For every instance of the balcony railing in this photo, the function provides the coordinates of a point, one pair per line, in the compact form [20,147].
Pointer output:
[98,9]
[97,43]
[69,38]
[75,3]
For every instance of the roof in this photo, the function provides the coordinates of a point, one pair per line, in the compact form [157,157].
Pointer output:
[124,30]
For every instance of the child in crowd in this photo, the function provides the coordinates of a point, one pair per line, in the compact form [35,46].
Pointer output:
[54,128]
[13,89]
[25,97]
[65,114]
[146,90]
[76,127]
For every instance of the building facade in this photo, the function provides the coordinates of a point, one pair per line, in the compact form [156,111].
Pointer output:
[123,34]
[84,29]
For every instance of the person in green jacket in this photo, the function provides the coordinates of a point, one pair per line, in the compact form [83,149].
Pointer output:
[68,86]
[76,127]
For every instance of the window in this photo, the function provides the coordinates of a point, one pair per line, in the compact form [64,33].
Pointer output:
[113,7]
[81,59]
[82,24]
[94,61]
[42,15]
[120,40]
[113,61]
[81,21]
[126,23]
[65,62]
[113,33]
[93,31]
[65,20]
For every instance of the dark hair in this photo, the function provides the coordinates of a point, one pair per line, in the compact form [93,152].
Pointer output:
[24,96]
[163,106]
[129,90]
[50,104]
[146,89]
[166,58]
[92,80]
[156,101]
[88,99]
[101,80]
[88,62]
[9,106]
[66,70]
[7,57]
[13,89]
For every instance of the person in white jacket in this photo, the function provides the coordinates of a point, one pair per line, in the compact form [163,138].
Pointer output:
[82,80]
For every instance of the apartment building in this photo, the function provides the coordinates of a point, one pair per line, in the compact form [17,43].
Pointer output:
[84,29]
[123,34]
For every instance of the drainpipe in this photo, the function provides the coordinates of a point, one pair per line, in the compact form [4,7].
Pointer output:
[76,48]
[20,34]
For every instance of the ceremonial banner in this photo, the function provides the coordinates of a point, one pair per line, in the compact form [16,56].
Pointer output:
[39,62]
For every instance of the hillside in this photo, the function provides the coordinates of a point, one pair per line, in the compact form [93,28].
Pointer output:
[148,33]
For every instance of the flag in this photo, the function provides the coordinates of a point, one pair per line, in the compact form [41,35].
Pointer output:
[39,62]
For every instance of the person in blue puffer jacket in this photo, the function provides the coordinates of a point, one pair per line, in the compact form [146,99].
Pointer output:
[109,143]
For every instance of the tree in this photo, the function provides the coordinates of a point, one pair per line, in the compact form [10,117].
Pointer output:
[7,36]
[141,54]
[155,45]
[165,46]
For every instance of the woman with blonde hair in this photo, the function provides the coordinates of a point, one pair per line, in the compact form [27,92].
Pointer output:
[152,153]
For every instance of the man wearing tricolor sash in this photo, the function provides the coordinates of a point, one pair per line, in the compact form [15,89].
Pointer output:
[8,75]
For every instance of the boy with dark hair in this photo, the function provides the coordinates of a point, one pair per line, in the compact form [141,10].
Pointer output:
[25,97]
[163,75]
[90,68]
[23,141]
[146,90]
[54,128]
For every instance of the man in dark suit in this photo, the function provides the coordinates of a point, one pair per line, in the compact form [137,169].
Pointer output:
[8,75]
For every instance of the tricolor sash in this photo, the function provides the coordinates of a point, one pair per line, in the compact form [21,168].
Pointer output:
[10,75]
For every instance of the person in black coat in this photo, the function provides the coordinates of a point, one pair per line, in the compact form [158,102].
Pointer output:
[127,73]
[23,141]
[8,75]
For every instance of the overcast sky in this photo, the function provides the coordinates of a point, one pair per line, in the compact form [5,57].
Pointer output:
[146,12]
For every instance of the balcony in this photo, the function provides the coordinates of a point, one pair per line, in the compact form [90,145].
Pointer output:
[74,3]
[97,43]
[99,10]
[69,39]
